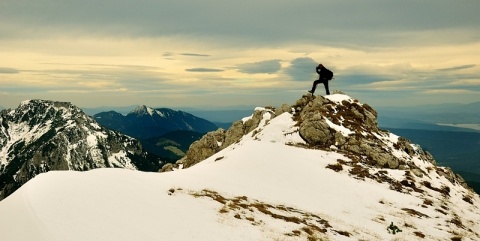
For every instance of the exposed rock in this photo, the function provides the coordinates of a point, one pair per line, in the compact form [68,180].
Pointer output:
[339,139]
[167,167]
[451,176]
[284,108]
[234,133]
[315,131]
[417,172]
[253,122]
[208,145]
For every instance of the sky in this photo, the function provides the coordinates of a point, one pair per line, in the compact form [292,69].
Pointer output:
[220,54]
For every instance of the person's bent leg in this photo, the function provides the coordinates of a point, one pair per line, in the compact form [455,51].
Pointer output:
[314,86]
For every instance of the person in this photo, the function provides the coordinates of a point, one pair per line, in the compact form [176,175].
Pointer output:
[324,75]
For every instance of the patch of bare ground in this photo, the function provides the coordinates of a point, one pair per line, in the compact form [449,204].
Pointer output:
[419,234]
[427,202]
[441,211]
[336,167]
[361,171]
[468,199]
[444,190]
[243,208]
[456,220]
[415,213]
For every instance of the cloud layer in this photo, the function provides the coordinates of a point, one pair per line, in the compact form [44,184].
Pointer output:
[212,52]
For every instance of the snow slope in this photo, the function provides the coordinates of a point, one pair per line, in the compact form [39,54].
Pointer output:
[257,189]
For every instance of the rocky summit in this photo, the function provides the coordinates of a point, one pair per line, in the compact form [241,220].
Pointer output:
[42,135]
[338,123]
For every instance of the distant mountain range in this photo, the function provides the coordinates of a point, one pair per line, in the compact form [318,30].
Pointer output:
[162,131]
[146,122]
[414,117]
[42,135]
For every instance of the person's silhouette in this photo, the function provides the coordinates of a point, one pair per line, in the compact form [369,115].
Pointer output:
[324,75]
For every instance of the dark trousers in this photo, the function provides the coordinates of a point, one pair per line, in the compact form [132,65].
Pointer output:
[325,83]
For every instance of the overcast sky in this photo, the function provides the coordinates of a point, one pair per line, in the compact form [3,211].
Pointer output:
[172,53]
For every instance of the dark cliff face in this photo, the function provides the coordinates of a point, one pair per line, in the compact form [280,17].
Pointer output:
[145,122]
[41,136]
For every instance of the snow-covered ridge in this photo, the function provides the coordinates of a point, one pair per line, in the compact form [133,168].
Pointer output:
[275,182]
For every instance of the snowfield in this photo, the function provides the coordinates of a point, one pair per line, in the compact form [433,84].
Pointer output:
[261,188]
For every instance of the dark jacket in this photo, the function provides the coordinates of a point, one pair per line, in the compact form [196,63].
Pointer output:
[324,73]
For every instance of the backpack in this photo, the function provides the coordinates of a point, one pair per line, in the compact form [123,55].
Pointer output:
[328,74]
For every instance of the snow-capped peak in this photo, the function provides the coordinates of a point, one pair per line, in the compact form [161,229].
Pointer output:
[145,110]
[42,135]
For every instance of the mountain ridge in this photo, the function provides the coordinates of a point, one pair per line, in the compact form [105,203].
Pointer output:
[319,169]
[43,135]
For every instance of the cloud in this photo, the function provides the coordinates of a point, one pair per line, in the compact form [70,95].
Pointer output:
[461,67]
[370,82]
[262,67]
[4,70]
[376,23]
[302,69]
[195,55]
[467,82]
[449,91]
[402,46]
[203,70]
[170,54]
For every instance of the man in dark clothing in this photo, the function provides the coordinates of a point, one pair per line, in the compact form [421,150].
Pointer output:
[324,75]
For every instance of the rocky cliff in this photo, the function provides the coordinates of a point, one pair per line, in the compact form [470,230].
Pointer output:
[41,135]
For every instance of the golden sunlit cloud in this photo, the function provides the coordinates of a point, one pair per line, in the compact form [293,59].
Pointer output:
[472,82]
[450,91]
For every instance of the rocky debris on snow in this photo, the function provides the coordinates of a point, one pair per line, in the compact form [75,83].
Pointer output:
[350,127]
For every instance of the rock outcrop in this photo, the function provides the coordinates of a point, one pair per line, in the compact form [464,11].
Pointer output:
[216,141]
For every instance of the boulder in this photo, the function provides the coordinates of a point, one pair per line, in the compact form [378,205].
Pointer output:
[208,145]
[315,131]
